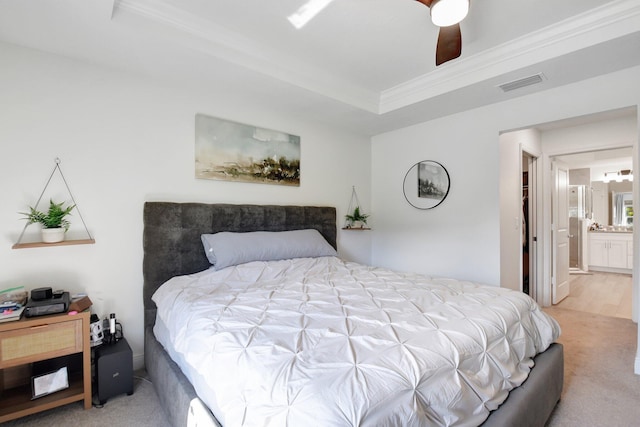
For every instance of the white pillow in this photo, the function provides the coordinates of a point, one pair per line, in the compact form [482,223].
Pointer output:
[226,248]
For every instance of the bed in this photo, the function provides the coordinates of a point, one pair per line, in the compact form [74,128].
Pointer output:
[173,248]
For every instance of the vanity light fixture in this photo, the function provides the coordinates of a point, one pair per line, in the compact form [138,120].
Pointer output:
[618,176]
[626,174]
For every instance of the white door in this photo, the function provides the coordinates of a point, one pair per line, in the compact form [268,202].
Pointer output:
[560,207]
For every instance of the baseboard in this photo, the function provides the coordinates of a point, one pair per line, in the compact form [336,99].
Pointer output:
[611,270]
[138,361]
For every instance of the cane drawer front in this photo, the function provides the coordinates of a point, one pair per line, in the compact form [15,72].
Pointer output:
[40,340]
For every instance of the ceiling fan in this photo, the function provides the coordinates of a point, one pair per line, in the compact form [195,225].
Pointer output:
[447,15]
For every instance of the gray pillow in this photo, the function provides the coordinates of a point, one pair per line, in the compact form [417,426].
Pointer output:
[225,249]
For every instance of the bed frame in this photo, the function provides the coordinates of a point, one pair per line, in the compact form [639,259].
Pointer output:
[172,247]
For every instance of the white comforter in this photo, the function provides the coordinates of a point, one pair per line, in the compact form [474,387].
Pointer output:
[323,342]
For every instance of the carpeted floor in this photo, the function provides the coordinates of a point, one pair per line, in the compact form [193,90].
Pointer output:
[600,388]
[142,409]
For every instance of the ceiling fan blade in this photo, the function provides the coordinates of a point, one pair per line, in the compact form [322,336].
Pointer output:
[449,44]
[426,2]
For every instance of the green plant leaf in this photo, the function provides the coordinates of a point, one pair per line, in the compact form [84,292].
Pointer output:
[357,216]
[54,218]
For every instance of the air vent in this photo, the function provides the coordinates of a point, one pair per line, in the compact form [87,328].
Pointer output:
[526,81]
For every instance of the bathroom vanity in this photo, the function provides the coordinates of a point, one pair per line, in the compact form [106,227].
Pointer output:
[611,251]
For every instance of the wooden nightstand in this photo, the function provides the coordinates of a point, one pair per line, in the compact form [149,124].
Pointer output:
[41,338]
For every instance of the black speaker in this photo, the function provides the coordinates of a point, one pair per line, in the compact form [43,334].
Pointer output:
[114,370]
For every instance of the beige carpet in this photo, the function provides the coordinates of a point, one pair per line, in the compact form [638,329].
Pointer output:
[600,388]
[141,409]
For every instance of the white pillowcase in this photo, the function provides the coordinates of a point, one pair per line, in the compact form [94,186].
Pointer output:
[226,248]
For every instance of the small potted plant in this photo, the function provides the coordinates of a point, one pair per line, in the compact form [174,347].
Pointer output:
[54,224]
[356,219]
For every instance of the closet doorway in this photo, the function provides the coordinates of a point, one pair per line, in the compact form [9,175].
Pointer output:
[529,223]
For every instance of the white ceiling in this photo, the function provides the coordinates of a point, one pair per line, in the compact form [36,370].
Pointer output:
[601,161]
[365,65]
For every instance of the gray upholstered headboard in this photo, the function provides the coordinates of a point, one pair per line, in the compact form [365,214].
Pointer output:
[171,237]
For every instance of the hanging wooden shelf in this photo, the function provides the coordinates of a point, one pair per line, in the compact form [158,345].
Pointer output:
[89,241]
[354,203]
[44,245]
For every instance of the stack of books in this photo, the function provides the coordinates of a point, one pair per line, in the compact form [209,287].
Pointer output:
[10,311]
[12,303]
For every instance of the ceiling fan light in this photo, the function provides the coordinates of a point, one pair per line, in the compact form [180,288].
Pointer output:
[448,12]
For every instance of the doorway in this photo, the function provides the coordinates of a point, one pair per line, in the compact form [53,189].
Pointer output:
[583,135]
[600,231]
[529,223]
[596,132]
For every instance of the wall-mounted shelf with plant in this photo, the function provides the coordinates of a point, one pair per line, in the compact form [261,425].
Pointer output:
[54,221]
[355,220]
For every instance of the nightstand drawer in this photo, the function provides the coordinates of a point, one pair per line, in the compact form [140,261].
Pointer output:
[40,341]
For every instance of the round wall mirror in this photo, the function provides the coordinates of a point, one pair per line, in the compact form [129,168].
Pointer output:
[426,184]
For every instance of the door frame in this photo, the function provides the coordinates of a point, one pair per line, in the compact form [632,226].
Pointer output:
[544,198]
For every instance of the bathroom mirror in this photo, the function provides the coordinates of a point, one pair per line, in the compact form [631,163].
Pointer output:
[613,203]
[426,184]
[622,209]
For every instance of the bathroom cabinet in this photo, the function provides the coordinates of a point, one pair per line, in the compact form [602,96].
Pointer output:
[610,251]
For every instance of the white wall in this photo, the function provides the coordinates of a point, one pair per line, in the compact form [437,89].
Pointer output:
[123,140]
[600,202]
[445,240]
[461,237]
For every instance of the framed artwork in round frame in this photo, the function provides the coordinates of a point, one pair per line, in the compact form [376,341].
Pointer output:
[426,184]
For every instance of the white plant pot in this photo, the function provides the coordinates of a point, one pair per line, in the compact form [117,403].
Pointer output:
[52,235]
[357,224]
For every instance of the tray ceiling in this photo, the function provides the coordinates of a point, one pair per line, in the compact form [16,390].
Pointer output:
[366,64]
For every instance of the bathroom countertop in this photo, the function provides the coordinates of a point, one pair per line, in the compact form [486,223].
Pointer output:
[611,231]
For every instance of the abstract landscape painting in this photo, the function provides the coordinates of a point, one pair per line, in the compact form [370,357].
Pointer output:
[231,151]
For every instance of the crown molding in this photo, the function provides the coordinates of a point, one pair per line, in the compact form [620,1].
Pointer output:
[216,41]
[607,22]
